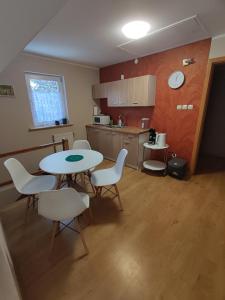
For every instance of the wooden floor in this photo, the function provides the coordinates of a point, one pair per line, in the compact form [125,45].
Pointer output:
[169,243]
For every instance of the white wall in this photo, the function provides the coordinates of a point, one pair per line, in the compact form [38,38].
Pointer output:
[20,21]
[217,46]
[15,114]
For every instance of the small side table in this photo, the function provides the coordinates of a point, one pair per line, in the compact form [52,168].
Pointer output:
[155,165]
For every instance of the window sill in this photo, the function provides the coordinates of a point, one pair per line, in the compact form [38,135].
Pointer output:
[50,127]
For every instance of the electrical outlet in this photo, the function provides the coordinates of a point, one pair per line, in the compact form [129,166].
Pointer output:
[184,106]
[190,106]
[179,107]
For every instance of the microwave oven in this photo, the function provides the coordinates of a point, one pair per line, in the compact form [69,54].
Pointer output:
[101,120]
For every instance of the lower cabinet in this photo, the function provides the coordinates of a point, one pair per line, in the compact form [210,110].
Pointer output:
[94,138]
[109,143]
[130,142]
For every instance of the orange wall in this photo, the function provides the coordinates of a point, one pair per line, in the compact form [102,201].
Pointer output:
[179,125]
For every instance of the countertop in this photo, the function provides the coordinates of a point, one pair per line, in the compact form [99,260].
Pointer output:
[126,129]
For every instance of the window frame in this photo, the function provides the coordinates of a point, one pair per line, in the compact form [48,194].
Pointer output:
[42,76]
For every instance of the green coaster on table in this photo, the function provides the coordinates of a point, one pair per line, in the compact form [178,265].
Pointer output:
[72,158]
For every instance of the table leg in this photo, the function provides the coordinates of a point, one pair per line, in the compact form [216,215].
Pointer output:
[59,182]
[69,180]
[82,175]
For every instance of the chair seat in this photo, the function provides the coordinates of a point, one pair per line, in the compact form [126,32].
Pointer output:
[69,205]
[104,177]
[38,184]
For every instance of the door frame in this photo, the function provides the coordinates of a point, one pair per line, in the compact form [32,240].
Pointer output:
[203,108]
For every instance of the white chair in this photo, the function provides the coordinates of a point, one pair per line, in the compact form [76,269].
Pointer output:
[26,183]
[61,205]
[110,176]
[83,144]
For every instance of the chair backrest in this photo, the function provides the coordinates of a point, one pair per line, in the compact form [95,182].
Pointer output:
[81,144]
[56,204]
[120,161]
[18,173]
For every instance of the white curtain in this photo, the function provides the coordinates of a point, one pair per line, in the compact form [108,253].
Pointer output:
[47,99]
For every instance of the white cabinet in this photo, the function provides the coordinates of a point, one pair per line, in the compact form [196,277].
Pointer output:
[113,93]
[94,138]
[137,91]
[130,142]
[100,91]
[142,91]
[109,142]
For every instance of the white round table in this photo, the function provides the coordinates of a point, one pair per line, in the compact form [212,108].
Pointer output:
[56,163]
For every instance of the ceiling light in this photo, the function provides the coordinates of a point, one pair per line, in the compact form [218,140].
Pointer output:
[136,29]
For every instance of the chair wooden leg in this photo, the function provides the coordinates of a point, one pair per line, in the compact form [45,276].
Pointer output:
[29,199]
[33,201]
[54,231]
[93,189]
[89,177]
[99,192]
[118,196]
[81,235]
[75,178]
[91,215]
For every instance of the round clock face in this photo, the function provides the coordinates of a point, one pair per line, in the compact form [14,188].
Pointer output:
[176,80]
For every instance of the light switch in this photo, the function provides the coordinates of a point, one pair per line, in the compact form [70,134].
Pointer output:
[179,107]
[184,106]
[190,106]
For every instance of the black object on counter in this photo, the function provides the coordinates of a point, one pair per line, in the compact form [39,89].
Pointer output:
[152,136]
[64,121]
[57,122]
[177,167]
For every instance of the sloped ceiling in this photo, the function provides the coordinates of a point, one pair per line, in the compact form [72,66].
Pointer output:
[20,21]
[89,31]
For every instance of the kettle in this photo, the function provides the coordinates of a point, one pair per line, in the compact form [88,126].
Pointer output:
[161,139]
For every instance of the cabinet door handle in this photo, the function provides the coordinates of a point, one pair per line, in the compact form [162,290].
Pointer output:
[134,102]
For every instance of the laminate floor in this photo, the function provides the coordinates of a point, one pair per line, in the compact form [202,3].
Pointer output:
[167,244]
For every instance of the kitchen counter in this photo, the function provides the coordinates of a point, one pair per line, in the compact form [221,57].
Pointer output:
[126,129]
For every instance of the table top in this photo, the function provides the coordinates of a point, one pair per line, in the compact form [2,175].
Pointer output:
[56,163]
[155,146]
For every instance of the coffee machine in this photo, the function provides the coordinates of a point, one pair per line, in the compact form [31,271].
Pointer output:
[152,136]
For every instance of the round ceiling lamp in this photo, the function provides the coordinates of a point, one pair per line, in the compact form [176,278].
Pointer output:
[136,29]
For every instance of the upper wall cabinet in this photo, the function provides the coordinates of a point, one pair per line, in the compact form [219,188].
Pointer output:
[99,91]
[137,91]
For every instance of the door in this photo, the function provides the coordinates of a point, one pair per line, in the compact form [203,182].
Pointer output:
[211,156]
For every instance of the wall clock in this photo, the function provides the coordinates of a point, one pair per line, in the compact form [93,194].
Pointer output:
[176,80]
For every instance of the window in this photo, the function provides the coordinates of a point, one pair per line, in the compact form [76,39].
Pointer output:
[47,99]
